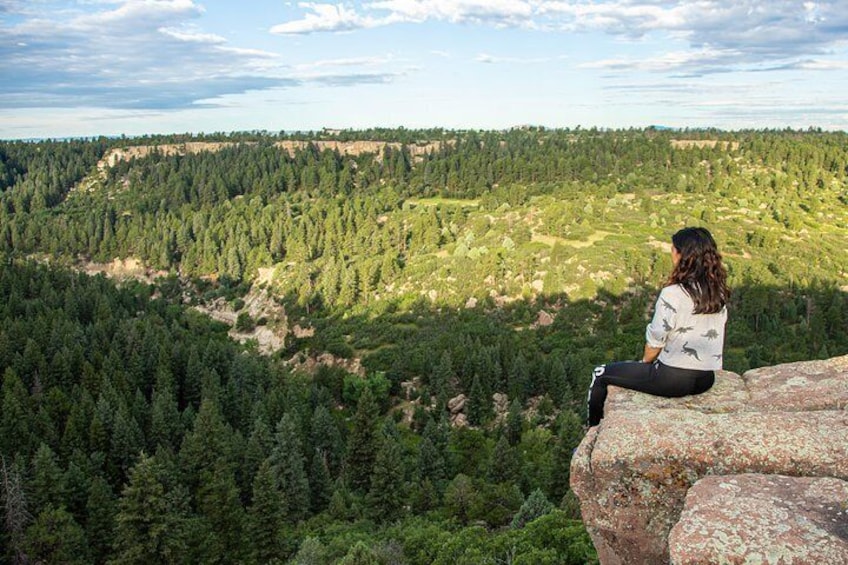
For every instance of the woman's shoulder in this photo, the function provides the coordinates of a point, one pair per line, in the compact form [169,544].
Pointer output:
[674,293]
[672,289]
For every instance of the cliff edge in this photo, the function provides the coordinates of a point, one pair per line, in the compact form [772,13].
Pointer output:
[756,468]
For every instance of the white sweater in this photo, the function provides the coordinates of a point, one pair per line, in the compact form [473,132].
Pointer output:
[688,340]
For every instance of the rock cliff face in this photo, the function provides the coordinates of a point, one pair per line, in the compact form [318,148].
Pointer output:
[775,437]
[117,155]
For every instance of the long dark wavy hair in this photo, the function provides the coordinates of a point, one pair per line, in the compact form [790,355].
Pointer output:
[699,270]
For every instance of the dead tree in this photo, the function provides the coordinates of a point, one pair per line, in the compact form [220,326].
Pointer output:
[15,515]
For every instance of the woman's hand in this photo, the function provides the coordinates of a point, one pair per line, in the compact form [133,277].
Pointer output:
[651,353]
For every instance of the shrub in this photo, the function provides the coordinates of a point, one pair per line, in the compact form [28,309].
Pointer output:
[244,322]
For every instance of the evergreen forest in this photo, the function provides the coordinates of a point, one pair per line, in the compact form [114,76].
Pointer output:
[445,296]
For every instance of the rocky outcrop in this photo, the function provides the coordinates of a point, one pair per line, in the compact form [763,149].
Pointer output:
[310,364]
[114,156]
[763,519]
[360,147]
[632,473]
[119,269]
[270,335]
[456,406]
[118,154]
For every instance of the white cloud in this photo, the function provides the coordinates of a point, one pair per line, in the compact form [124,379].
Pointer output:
[192,36]
[744,32]
[341,80]
[348,62]
[704,59]
[628,18]
[137,12]
[497,12]
[340,17]
[350,71]
[820,65]
[123,54]
[493,59]
[327,17]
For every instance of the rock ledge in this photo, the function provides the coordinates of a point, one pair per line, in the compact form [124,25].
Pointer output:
[632,473]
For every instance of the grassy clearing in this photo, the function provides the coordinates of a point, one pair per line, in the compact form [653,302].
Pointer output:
[550,240]
[439,201]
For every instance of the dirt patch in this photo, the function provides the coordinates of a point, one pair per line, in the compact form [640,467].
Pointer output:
[122,269]
[264,276]
[664,245]
[550,240]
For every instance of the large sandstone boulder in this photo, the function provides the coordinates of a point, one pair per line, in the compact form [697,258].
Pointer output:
[738,519]
[633,472]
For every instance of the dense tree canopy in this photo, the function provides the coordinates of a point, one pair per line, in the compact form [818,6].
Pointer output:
[492,264]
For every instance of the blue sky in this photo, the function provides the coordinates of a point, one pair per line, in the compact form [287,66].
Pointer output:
[90,67]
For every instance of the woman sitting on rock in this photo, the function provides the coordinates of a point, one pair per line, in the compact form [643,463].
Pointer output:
[685,338]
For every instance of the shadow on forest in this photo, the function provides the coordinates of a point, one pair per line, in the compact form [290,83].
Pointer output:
[121,395]
[767,325]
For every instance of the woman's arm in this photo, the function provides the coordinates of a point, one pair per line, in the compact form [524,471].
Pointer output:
[650,354]
[663,323]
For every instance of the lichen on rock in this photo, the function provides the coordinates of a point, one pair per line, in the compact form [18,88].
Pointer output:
[763,518]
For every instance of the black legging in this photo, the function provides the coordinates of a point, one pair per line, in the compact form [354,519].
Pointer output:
[653,378]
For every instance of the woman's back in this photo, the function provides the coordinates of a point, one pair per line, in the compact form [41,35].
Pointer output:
[691,341]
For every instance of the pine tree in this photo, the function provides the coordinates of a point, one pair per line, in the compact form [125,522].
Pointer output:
[47,487]
[514,422]
[425,496]
[55,537]
[363,442]
[325,439]
[288,465]
[165,427]
[206,444]
[150,519]
[442,377]
[431,462]
[479,406]
[16,418]
[320,482]
[311,552]
[77,480]
[535,506]
[348,286]
[568,437]
[218,501]
[100,511]
[339,507]
[77,425]
[460,497]
[265,515]
[505,463]
[126,443]
[558,384]
[258,447]
[360,554]
[387,495]
[519,379]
